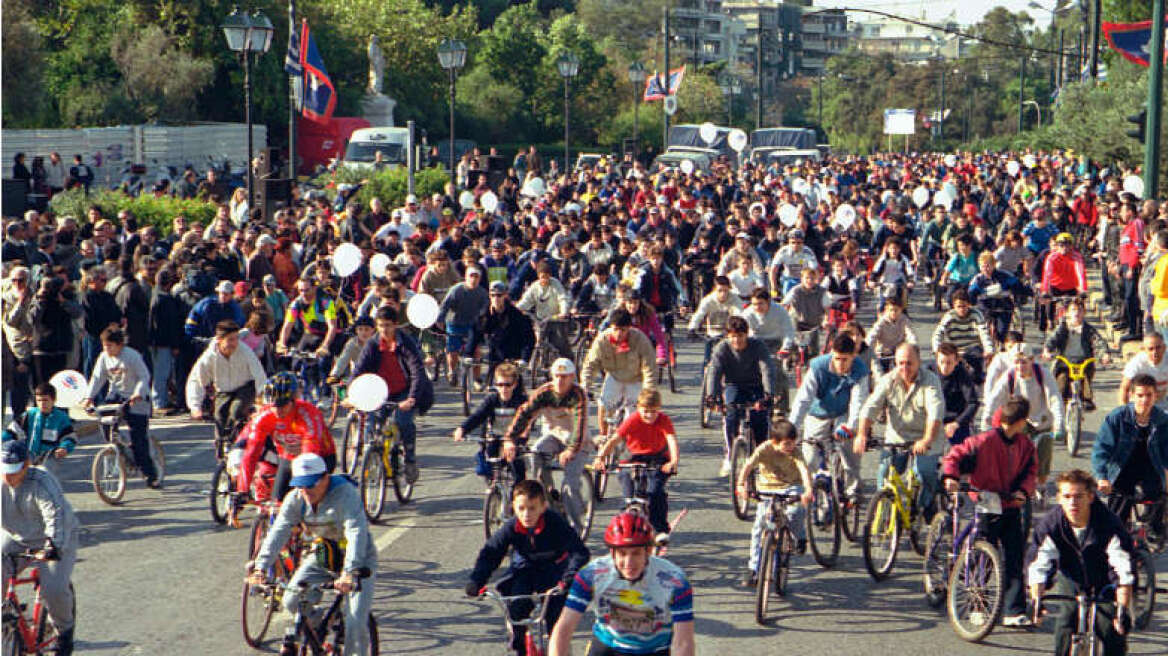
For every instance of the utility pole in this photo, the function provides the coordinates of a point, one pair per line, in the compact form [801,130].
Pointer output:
[292,81]
[1096,33]
[819,94]
[758,80]
[665,31]
[941,119]
[1058,77]
[1021,89]
[1155,95]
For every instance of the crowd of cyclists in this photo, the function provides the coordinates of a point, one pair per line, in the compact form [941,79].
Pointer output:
[548,305]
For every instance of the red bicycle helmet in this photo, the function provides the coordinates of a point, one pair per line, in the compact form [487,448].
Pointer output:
[628,529]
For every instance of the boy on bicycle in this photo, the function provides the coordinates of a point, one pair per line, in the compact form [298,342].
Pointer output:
[508,393]
[46,429]
[545,552]
[780,469]
[892,328]
[1081,545]
[332,512]
[362,331]
[1001,460]
[643,604]
[649,436]
[1077,341]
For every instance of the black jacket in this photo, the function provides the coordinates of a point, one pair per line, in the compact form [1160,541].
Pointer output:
[550,553]
[491,402]
[418,384]
[508,334]
[1084,564]
[753,368]
[100,311]
[1089,337]
[961,393]
[167,319]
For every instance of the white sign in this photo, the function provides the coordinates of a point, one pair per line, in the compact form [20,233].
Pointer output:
[670,104]
[900,121]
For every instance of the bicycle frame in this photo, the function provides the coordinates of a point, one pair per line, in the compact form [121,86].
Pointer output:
[14,616]
[1087,606]
[903,491]
[1076,374]
[536,640]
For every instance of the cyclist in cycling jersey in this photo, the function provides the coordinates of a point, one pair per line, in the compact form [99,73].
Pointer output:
[317,317]
[643,604]
[332,513]
[788,263]
[625,356]
[1063,272]
[290,424]
[545,553]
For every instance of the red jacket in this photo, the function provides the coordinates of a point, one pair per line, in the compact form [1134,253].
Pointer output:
[1085,211]
[302,431]
[994,464]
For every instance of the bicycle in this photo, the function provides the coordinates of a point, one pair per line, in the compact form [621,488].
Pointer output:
[535,641]
[541,467]
[894,508]
[24,634]
[1084,641]
[639,501]
[620,413]
[825,521]
[467,365]
[667,369]
[383,460]
[326,635]
[587,327]
[839,314]
[308,367]
[778,545]
[497,502]
[799,360]
[965,570]
[338,400]
[1076,374]
[432,341]
[260,602]
[222,486]
[115,461]
[1143,565]
[740,451]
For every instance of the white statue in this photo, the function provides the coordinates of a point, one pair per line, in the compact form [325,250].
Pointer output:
[376,66]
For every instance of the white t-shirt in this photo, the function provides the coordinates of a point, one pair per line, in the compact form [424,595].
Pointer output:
[1140,364]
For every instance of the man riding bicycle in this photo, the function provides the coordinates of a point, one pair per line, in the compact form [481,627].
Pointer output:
[291,425]
[317,317]
[787,265]
[235,373]
[1063,274]
[746,368]
[332,512]
[712,312]
[625,356]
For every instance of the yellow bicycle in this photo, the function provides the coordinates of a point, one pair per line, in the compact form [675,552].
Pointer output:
[1076,374]
[383,461]
[894,509]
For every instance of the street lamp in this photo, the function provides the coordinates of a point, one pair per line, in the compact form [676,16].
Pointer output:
[248,35]
[452,56]
[731,86]
[569,65]
[637,76]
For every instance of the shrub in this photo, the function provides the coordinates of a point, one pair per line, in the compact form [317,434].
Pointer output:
[391,186]
[147,209]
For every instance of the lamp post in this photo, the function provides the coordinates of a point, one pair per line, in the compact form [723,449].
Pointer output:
[730,86]
[637,77]
[569,65]
[248,35]
[451,56]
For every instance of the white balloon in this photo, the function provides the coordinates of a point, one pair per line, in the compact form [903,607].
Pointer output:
[377,265]
[466,199]
[534,188]
[951,161]
[950,189]
[737,139]
[1013,168]
[708,132]
[1029,160]
[422,311]
[789,214]
[943,199]
[800,186]
[885,195]
[367,392]
[347,259]
[490,201]
[920,197]
[845,216]
[1134,184]
[758,206]
[687,166]
[71,387]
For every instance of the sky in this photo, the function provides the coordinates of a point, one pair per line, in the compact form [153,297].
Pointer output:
[967,11]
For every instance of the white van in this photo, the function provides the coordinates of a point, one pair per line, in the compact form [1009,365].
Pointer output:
[364,144]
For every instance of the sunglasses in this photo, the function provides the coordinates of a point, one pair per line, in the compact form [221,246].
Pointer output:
[504,383]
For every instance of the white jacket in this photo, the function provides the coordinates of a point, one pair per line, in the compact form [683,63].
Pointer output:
[226,374]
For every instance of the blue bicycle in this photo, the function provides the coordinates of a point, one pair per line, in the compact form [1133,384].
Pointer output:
[310,370]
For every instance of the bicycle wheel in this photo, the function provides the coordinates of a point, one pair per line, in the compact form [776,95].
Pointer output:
[221,489]
[334,408]
[918,529]
[670,363]
[1074,427]
[1144,589]
[823,524]
[373,482]
[467,380]
[158,455]
[765,577]
[782,564]
[108,474]
[849,509]
[493,515]
[738,455]
[881,535]
[351,445]
[259,604]
[705,415]
[975,595]
[588,504]
[938,552]
[403,489]
[600,484]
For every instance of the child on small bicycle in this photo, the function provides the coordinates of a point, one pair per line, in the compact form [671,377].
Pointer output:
[649,436]
[46,429]
[1077,341]
[508,393]
[362,330]
[891,329]
[780,469]
[545,552]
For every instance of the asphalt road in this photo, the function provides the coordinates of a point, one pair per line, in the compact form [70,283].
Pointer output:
[156,576]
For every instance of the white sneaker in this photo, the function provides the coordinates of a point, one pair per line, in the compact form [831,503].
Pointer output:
[1017,620]
[725,470]
[661,539]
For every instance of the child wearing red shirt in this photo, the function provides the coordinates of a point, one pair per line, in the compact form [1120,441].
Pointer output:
[649,437]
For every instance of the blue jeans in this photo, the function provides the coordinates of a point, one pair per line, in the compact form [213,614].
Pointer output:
[795,522]
[404,419]
[758,418]
[164,362]
[926,471]
[90,349]
[658,500]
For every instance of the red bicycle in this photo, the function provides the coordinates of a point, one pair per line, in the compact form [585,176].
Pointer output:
[27,634]
[839,314]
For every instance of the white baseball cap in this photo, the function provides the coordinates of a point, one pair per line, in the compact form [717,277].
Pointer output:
[225,287]
[563,367]
[307,469]
[412,199]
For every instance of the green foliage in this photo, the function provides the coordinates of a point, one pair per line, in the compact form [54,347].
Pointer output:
[156,211]
[390,185]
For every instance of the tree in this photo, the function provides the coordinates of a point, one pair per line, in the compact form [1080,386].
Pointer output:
[23,67]
[512,50]
[158,78]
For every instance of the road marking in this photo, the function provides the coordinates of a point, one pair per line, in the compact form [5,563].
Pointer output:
[392,535]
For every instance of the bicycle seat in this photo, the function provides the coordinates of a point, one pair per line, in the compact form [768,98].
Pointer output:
[107,409]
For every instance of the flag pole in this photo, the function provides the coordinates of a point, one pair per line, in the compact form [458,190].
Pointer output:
[292,80]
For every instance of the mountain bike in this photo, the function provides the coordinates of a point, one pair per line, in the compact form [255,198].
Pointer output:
[825,520]
[497,502]
[638,503]
[23,633]
[309,369]
[115,460]
[542,467]
[1144,564]
[1084,640]
[535,641]
[383,460]
[778,545]
[1076,374]
[894,509]
[260,602]
[222,485]
[740,451]
[963,569]
[325,634]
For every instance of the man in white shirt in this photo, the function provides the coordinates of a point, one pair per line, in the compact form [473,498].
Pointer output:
[1151,361]
[235,373]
